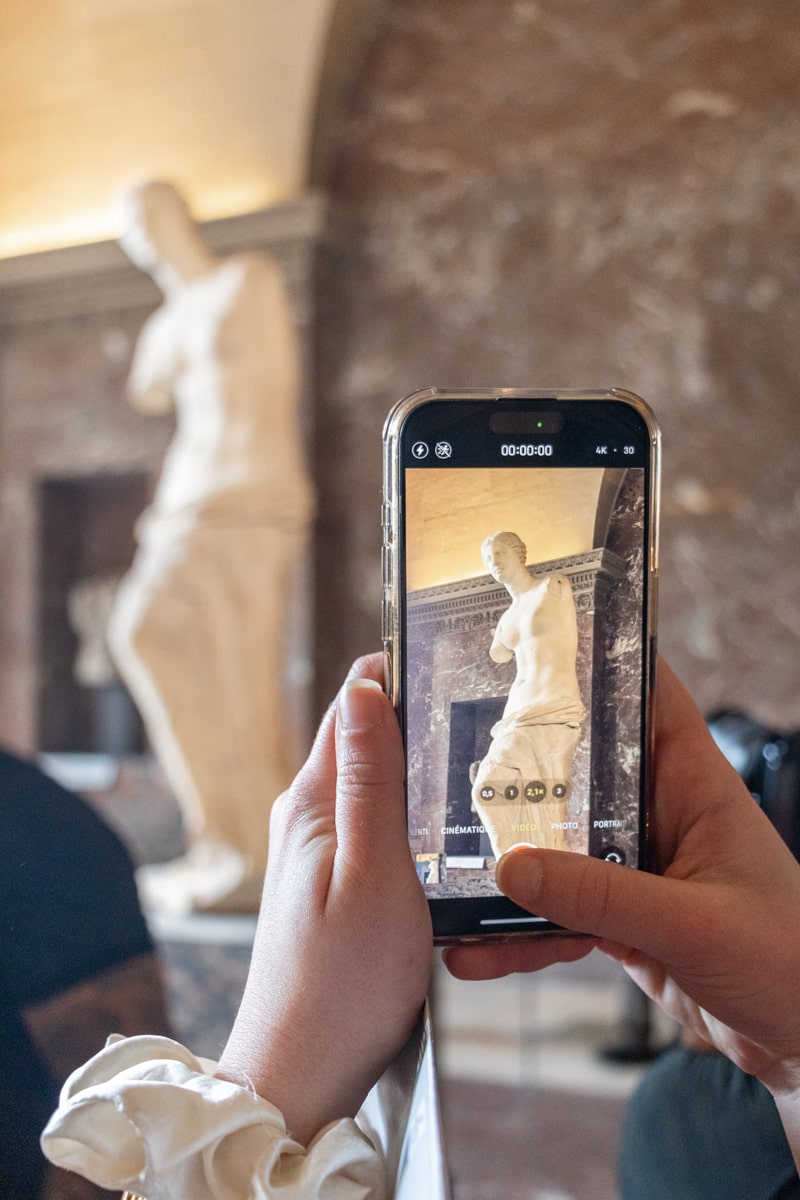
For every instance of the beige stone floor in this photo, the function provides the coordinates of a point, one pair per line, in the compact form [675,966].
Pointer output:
[531,1108]
[545,1030]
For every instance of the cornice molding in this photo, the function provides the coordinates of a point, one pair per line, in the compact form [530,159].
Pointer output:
[83,281]
[472,603]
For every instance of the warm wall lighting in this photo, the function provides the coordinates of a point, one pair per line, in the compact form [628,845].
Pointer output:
[103,224]
[217,97]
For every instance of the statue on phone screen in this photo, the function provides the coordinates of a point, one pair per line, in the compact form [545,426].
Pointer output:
[521,786]
[202,625]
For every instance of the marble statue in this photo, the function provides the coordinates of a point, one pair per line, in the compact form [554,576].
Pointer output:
[520,788]
[90,603]
[201,626]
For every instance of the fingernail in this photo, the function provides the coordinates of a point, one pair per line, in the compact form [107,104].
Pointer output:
[358,708]
[519,874]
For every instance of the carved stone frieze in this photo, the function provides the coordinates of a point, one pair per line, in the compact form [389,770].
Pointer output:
[478,602]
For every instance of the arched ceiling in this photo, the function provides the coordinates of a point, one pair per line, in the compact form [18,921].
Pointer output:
[449,513]
[220,96]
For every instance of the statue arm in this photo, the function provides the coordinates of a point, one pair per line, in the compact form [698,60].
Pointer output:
[153,370]
[560,587]
[155,401]
[565,614]
[498,651]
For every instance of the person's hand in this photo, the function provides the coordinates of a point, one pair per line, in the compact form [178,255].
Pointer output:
[344,949]
[715,939]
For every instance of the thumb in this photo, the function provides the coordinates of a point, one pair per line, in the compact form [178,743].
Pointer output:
[589,895]
[370,767]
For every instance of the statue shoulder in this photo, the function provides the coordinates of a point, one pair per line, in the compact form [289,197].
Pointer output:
[257,268]
[558,582]
[552,589]
[261,279]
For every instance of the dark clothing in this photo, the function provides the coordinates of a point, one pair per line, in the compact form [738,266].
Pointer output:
[28,1095]
[68,902]
[699,1128]
[68,910]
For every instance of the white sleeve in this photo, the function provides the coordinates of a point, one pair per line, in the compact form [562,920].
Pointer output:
[144,1115]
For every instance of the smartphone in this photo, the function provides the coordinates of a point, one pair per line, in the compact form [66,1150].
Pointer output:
[520,567]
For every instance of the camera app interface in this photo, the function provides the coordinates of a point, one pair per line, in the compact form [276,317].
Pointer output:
[524,568]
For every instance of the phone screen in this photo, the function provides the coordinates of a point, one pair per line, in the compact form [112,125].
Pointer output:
[522,542]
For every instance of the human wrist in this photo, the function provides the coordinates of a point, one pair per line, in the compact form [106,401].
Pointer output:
[249,1061]
[281,1070]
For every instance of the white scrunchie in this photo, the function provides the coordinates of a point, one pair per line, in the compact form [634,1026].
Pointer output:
[144,1115]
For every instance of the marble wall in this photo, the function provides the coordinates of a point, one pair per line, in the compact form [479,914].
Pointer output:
[63,420]
[582,194]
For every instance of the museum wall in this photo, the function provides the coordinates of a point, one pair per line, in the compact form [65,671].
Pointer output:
[581,194]
[66,430]
[519,193]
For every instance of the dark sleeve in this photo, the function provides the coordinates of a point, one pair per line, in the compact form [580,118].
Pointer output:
[28,1095]
[68,901]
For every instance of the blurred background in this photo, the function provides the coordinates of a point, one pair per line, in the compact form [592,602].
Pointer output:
[471,193]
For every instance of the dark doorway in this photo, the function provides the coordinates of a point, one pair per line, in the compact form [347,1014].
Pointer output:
[471,722]
[86,533]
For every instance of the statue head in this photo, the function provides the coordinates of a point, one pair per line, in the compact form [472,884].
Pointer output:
[158,225]
[503,553]
[502,538]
